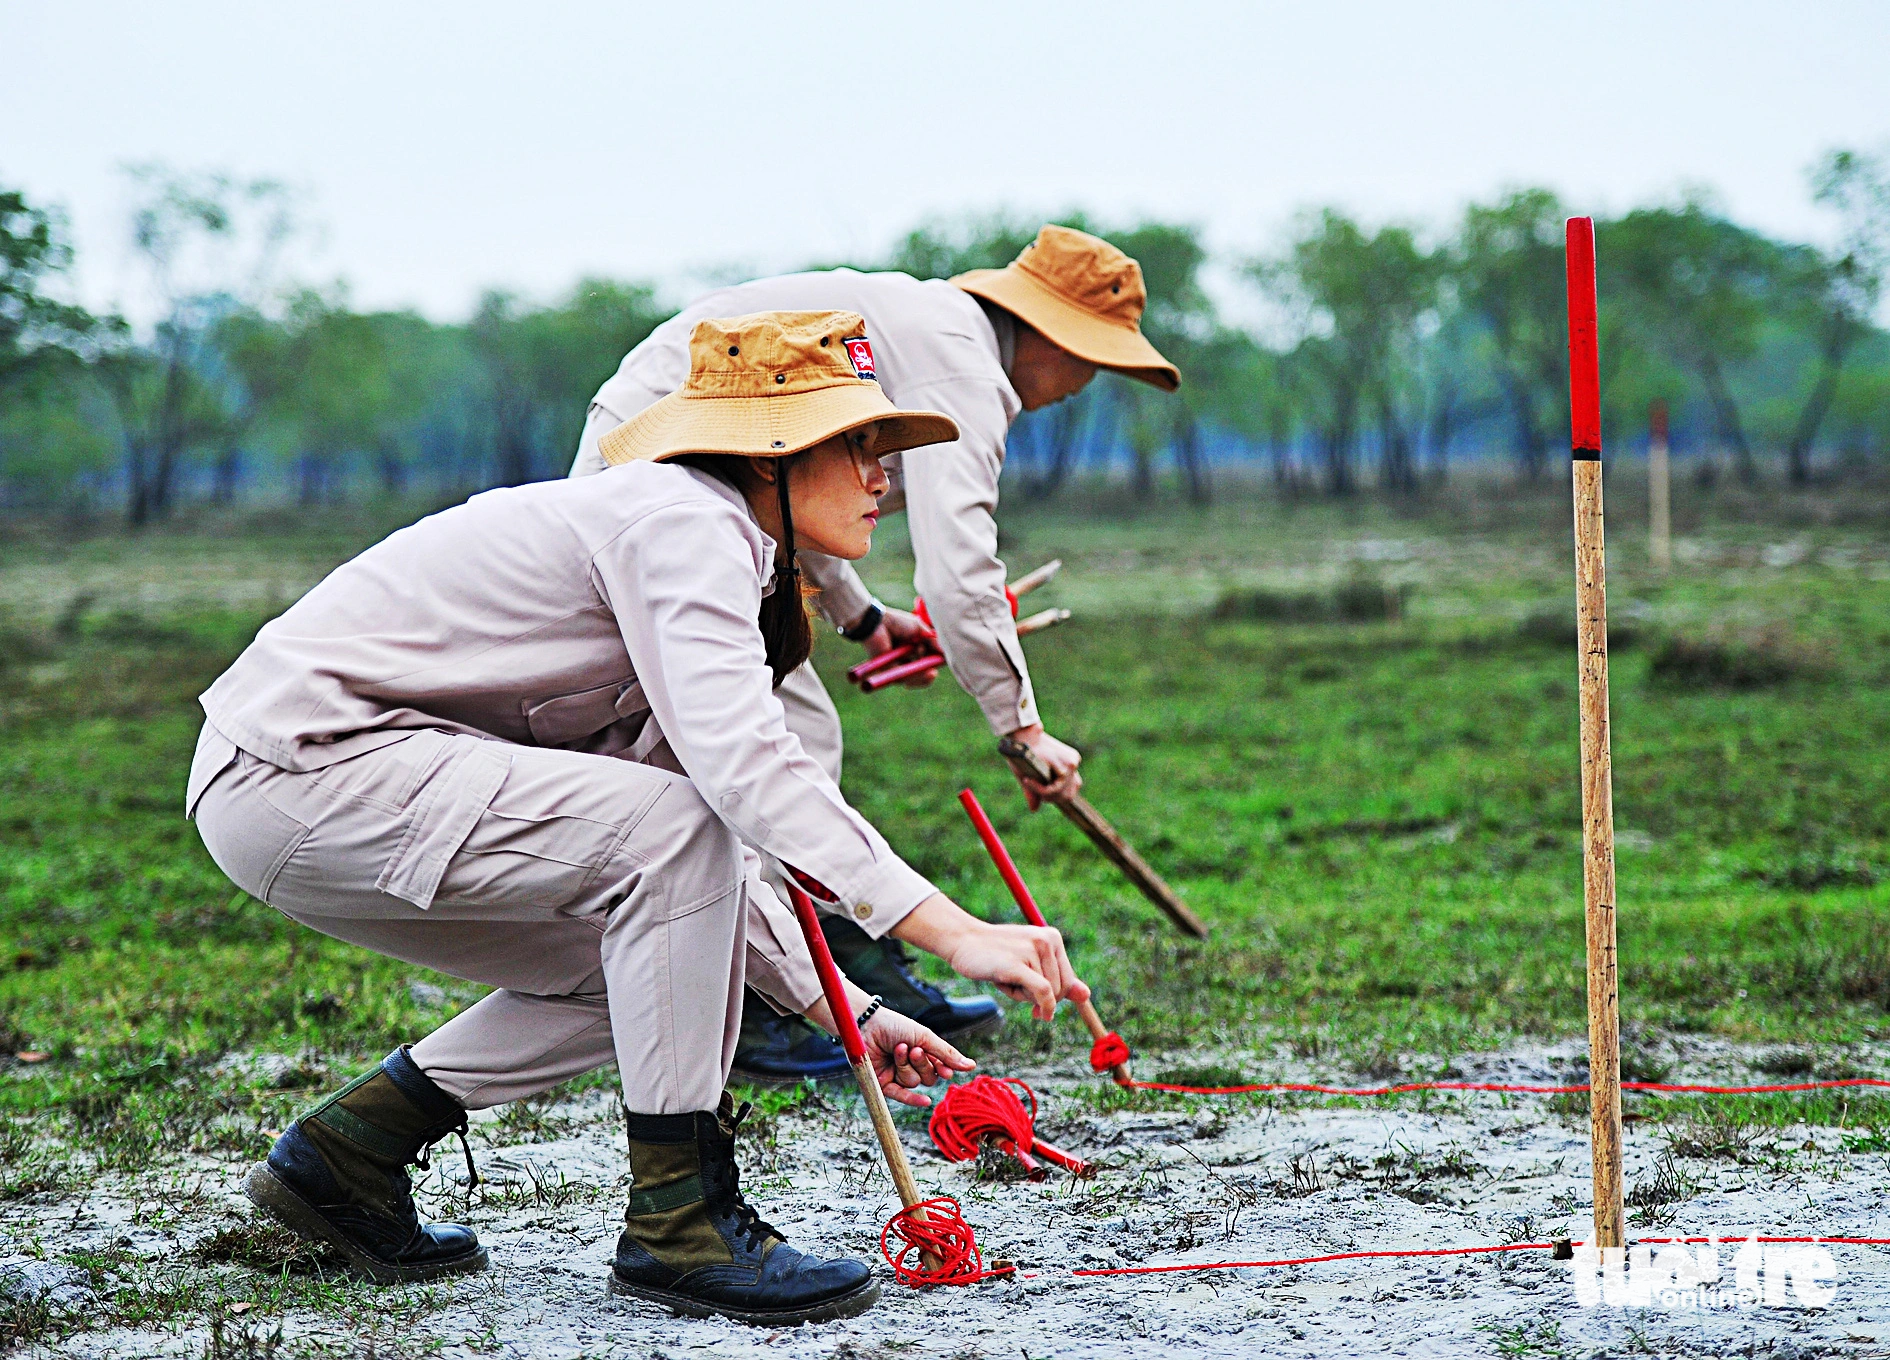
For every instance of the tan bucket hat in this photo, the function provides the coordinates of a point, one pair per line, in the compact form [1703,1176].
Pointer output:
[771,385]
[1085,296]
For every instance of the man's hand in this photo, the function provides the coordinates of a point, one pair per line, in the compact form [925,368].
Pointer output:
[1027,963]
[1059,757]
[897,629]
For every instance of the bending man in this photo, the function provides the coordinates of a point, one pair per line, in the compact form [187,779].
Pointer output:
[980,348]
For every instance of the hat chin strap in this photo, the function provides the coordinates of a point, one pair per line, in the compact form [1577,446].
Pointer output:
[793,567]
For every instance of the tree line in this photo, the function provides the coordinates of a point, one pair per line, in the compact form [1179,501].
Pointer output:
[1388,355]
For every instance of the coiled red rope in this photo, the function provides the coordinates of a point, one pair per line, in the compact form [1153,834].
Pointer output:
[936,1244]
[1112,1050]
[935,1228]
[1004,1110]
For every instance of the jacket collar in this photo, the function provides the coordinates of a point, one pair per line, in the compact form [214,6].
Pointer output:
[740,502]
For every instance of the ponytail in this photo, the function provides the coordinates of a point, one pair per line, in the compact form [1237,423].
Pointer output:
[786,631]
[787,634]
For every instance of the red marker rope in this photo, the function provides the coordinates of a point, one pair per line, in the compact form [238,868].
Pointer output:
[1453,1251]
[1500,1087]
[1840,1241]
[1317,1260]
[1111,1050]
[1003,1109]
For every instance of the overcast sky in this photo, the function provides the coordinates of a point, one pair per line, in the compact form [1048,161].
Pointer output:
[442,149]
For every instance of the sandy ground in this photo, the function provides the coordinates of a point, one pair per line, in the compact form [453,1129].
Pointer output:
[1196,1180]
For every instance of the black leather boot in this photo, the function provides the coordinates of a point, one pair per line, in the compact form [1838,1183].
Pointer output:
[693,1244]
[884,968]
[783,1050]
[338,1175]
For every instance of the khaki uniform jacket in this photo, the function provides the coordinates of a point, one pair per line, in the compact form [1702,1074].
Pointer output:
[934,349]
[614,616]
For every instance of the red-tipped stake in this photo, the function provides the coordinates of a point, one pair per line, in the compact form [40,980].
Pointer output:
[931,1230]
[855,1047]
[1591,624]
[892,656]
[923,664]
[1007,870]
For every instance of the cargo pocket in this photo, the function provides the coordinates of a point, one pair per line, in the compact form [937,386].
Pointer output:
[548,833]
[451,799]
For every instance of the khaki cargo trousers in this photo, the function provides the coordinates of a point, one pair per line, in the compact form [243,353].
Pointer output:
[603,898]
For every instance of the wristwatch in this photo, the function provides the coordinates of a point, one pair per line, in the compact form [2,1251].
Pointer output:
[866,625]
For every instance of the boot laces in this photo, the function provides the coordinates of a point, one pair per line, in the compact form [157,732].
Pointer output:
[424,1157]
[757,1229]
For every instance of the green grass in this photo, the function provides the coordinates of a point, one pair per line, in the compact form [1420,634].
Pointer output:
[1382,824]
[1379,819]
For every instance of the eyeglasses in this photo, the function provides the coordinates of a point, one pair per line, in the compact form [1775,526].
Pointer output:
[866,465]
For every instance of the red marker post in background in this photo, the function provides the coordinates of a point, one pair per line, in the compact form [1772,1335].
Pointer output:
[1591,627]
[1099,1033]
[1659,490]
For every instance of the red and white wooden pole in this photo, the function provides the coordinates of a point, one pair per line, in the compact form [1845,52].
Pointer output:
[1591,628]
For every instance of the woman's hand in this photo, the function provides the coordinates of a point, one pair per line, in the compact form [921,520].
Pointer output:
[1027,963]
[904,1053]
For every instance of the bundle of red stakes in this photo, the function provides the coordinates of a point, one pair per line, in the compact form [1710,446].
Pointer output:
[912,660]
[923,659]
[1004,1110]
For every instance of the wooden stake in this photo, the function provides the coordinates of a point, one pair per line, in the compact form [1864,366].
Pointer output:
[1020,892]
[1659,490]
[1591,626]
[1108,840]
[1030,580]
[1042,619]
[855,1047]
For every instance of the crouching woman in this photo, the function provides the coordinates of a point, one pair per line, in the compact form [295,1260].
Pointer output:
[532,741]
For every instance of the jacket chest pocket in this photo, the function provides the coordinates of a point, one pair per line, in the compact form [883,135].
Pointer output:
[570,718]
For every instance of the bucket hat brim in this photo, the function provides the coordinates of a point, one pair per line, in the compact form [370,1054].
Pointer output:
[772,426]
[1121,349]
